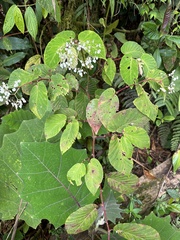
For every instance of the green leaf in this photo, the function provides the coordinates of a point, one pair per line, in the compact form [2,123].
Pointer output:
[14,119]
[137,136]
[132,49]
[58,86]
[22,75]
[110,27]
[127,117]
[14,58]
[109,71]
[94,175]
[82,219]
[121,37]
[18,19]
[148,62]
[124,184]
[14,43]
[119,152]
[54,124]
[176,160]
[136,231]
[72,81]
[10,164]
[69,135]
[38,101]
[76,172]
[129,69]
[51,53]
[163,226]
[151,30]
[44,174]
[157,57]
[91,115]
[81,101]
[144,105]
[112,208]
[93,42]
[31,22]
[9,19]
[108,104]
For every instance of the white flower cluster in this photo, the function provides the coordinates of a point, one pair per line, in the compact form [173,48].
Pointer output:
[8,96]
[171,87]
[70,56]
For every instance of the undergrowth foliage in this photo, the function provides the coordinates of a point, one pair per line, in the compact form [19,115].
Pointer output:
[51,156]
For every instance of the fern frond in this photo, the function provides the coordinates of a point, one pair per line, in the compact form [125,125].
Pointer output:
[165,134]
[175,140]
[128,97]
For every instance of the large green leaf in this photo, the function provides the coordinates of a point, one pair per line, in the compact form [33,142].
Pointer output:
[91,115]
[93,43]
[94,175]
[132,49]
[38,101]
[136,231]
[47,190]
[51,54]
[129,69]
[127,117]
[108,104]
[144,104]
[163,226]
[10,164]
[69,135]
[31,22]
[82,219]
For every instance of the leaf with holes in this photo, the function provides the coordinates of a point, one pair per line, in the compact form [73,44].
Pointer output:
[69,135]
[129,69]
[119,152]
[94,175]
[82,219]
[136,231]
[91,115]
[47,190]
